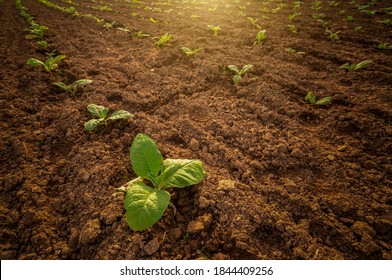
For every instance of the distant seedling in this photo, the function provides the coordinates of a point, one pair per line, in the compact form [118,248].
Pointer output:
[101,113]
[50,63]
[36,31]
[140,34]
[333,35]
[354,67]
[161,41]
[239,73]
[311,98]
[189,52]
[260,37]
[384,46]
[254,22]
[215,29]
[73,88]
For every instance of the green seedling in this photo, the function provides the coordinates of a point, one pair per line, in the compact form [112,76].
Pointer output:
[384,46]
[147,198]
[36,31]
[50,63]
[311,98]
[124,29]
[293,16]
[386,21]
[354,67]
[358,28]
[108,25]
[189,52]
[350,18]
[333,35]
[161,41]
[215,29]
[334,3]
[42,45]
[294,51]
[102,114]
[140,34]
[293,29]
[73,88]
[254,22]
[239,73]
[260,37]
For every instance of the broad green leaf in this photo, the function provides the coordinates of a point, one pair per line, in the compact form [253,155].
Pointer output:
[324,101]
[180,173]
[363,64]
[120,114]
[146,160]
[234,69]
[310,97]
[347,67]
[237,79]
[145,205]
[245,69]
[91,124]
[53,60]
[186,50]
[30,36]
[62,86]
[98,111]
[35,62]
[82,82]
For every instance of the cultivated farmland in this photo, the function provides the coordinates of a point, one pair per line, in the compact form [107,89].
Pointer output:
[287,105]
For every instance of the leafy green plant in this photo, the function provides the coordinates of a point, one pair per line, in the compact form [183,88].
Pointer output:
[140,34]
[350,18]
[73,88]
[294,51]
[108,25]
[147,198]
[42,45]
[239,73]
[215,29]
[293,16]
[354,67]
[102,114]
[293,29]
[50,63]
[189,52]
[36,31]
[386,21]
[161,41]
[260,37]
[384,46]
[311,98]
[254,21]
[333,35]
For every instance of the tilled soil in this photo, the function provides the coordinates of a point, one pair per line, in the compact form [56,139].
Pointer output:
[285,179]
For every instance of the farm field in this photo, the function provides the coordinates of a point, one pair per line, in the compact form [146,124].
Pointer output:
[285,178]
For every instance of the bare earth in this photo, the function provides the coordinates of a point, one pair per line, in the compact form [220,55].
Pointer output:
[285,179]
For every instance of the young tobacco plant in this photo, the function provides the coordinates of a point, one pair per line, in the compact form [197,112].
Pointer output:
[311,97]
[215,29]
[354,67]
[239,73]
[73,88]
[189,52]
[102,114]
[36,31]
[260,37]
[147,198]
[161,41]
[50,63]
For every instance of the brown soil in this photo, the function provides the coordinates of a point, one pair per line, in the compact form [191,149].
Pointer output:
[286,180]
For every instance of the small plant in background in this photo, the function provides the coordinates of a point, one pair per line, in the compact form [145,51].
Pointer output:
[384,46]
[293,16]
[50,63]
[73,88]
[36,31]
[254,22]
[294,51]
[239,73]
[189,52]
[102,114]
[215,29]
[145,204]
[108,25]
[43,45]
[333,35]
[350,18]
[311,98]
[354,67]
[293,29]
[161,41]
[140,34]
[260,37]
[385,21]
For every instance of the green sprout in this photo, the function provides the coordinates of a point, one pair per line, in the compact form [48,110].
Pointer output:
[140,34]
[36,31]
[354,67]
[333,35]
[161,41]
[215,29]
[293,29]
[254,22]
[189,52]
[384,46]
[145,203]
[311,98]
[101,113]
[50,63]
[260,37]
[73,88]
[239,73]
